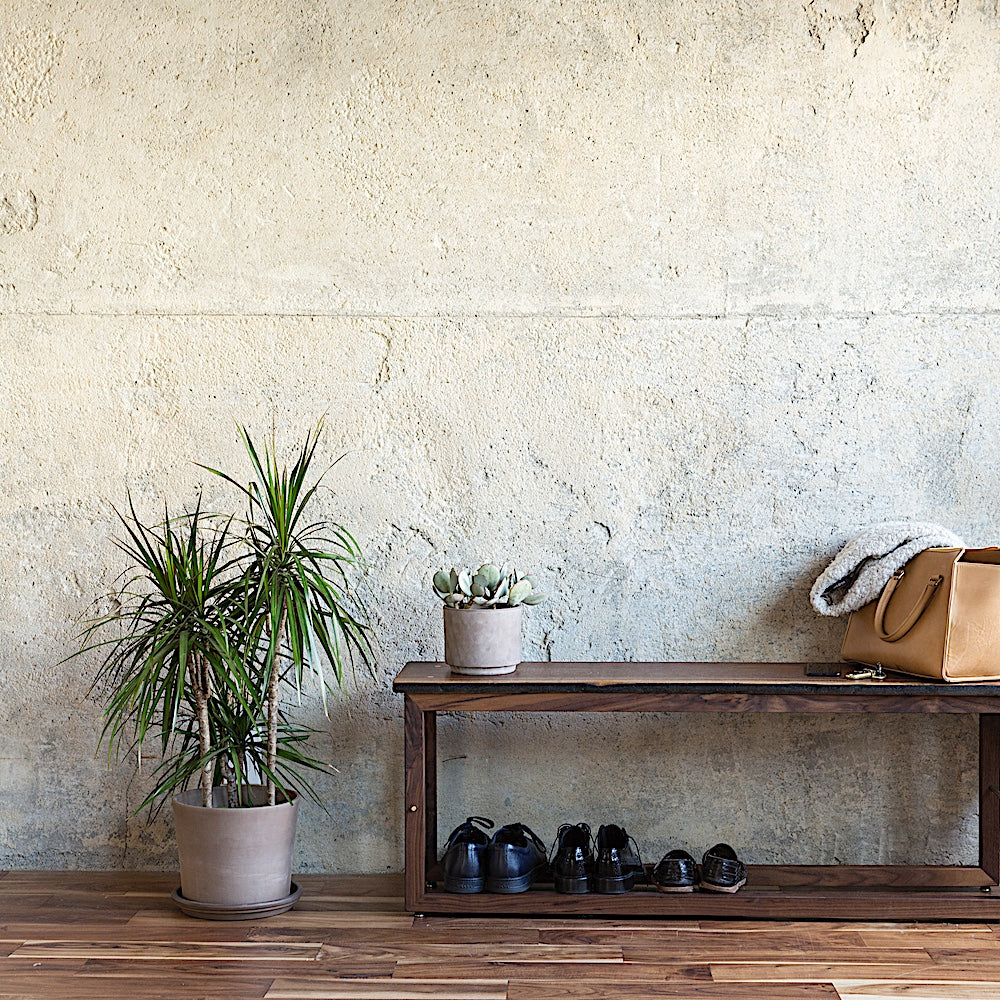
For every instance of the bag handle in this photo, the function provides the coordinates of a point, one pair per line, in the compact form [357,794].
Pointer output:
[915,612]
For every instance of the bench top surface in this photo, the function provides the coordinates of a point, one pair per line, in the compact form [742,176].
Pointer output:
[695,678]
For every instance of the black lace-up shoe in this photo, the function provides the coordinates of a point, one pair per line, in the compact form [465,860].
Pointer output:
[463,863]
[721,870]
[514,859]
[677,871]
[573,864]
[618,864]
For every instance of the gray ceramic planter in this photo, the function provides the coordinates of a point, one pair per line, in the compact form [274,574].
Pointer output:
[482,641]
[235,858]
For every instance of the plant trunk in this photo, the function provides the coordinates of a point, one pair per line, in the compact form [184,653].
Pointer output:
[273,696]
[229,777]
[202,689]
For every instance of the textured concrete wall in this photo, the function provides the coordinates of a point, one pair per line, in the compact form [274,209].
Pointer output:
[662,299]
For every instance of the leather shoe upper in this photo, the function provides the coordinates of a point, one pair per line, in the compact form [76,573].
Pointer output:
[465,853]
[515,853]
[617,856]
[574,857]
[722,869]
[676,870]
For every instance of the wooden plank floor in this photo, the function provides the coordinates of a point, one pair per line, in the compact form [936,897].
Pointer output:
[94,936]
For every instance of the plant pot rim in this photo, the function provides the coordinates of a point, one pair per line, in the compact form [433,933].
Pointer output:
[479,607]
[179,800]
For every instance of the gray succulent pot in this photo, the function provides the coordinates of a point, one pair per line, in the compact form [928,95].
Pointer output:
[482,641]
[235,857]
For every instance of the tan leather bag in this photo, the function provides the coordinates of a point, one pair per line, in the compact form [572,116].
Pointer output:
[938,617]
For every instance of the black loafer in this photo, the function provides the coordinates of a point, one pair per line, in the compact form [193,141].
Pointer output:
[677,871]
[463,863]
[573,863]
[514,859]
[618,864]
[721,870]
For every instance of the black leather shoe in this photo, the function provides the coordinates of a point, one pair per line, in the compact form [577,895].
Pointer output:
[721,870]
[618,864]
[514,859]
[463,863]
[573,864]
[677,871]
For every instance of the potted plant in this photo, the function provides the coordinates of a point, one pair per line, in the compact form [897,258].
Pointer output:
[216,621]
[482,617]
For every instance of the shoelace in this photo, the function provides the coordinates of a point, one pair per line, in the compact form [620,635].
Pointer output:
[528,834]
[639,856]
[486,824]
[471,822]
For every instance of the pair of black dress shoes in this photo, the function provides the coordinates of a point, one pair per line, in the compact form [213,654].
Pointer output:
[612,866]
[720,871]
[510,860]
[514,858]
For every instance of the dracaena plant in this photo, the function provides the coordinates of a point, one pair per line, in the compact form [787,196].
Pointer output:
[215,620]
[297,587]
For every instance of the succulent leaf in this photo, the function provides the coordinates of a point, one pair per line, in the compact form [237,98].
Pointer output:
[491,575]
[442,583]
[535,597]
[518,592]
[465,582]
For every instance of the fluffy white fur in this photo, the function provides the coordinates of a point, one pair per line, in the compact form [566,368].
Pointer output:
[863,566]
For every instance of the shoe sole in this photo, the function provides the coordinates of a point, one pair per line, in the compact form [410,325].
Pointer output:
[572,886]
[724,888]
[614,886]
[518,883]
[464,885]
[674,888]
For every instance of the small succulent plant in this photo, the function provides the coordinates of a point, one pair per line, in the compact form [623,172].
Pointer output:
[490,586]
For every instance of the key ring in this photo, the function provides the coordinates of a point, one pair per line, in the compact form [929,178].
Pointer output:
[876,673]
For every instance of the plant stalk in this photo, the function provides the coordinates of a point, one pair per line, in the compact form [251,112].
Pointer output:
[202,689]
[229,779]
[273,699]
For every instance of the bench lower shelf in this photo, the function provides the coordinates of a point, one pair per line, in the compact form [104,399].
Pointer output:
[760,902]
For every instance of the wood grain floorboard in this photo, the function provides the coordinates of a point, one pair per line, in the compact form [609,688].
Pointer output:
[566,973]
[794,972]
[157,951]
[785,926]
[138,988]
[386,989]
[596,990]
[728,939]
[235,969]
[86,931]
[938,939]
[804,954]
[445,954]
[388,935]
[916,991]
[319,921]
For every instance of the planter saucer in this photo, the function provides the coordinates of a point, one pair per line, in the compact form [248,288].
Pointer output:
[483,671]
[237,911]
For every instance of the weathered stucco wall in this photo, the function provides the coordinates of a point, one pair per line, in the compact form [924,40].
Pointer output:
[661,299]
